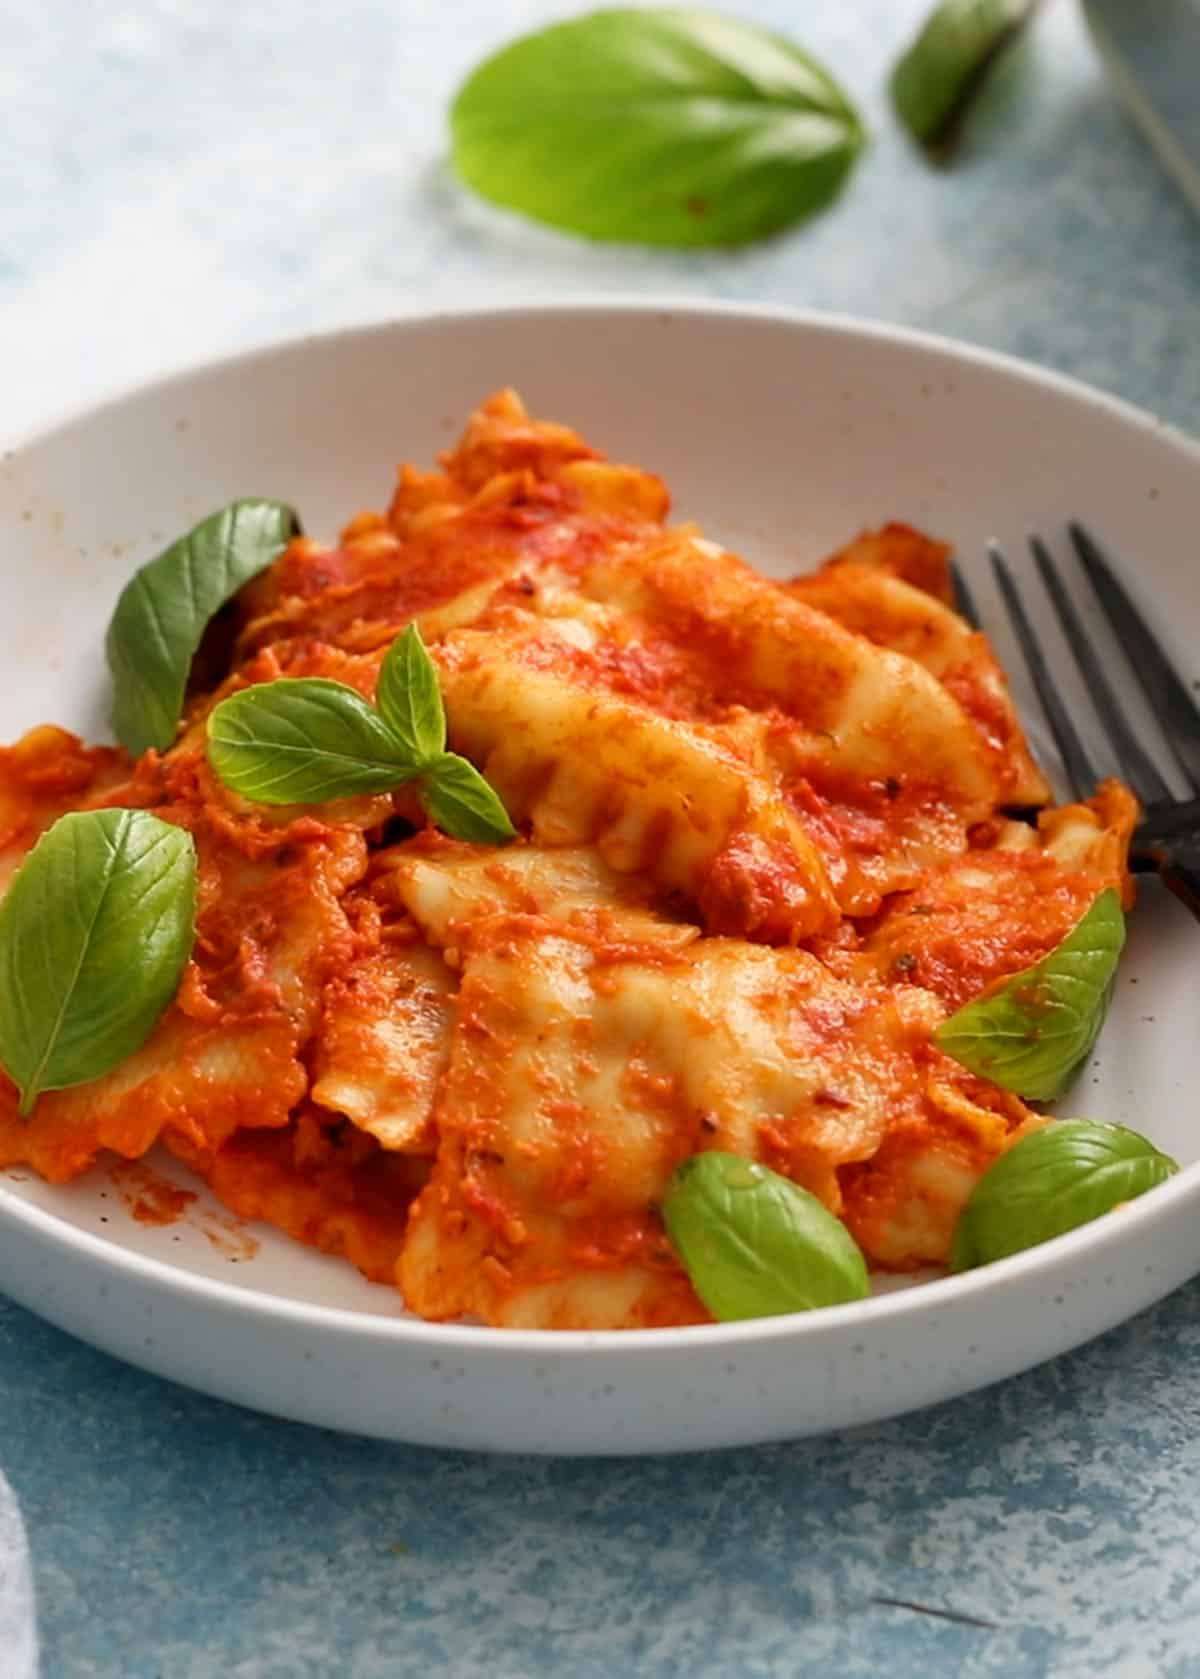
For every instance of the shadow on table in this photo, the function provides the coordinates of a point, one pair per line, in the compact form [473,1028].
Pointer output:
[1044,1526]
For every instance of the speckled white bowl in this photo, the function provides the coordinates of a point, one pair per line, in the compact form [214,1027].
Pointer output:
[784,434]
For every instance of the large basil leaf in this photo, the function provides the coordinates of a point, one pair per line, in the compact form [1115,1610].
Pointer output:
[1033,1033]
[95,931]
[660,126]
[409,698]
[936,78]
[164,609]
[1052,1181]
[756,1245]
[303,740]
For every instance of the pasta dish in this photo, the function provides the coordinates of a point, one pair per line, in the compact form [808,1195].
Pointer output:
[763,851]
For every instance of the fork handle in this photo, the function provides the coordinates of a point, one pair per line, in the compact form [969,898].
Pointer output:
[1180,870]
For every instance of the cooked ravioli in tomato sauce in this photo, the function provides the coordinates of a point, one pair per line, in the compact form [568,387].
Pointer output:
[763,851]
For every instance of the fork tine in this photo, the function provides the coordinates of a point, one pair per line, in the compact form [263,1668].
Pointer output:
[1078,765]
[1139,769]
[1170,701]
[964,600]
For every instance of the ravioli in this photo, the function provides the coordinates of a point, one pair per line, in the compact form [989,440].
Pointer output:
[384,1043]
[766,844]
[583,1070]
[877,596]
[675,801]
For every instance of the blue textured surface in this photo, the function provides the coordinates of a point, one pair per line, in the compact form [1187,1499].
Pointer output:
[191,176]
[174,1536]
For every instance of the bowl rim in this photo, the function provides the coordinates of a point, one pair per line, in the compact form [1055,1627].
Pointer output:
[829,323]
[1098,1238]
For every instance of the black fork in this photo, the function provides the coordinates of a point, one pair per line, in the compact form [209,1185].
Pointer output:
[1167,839]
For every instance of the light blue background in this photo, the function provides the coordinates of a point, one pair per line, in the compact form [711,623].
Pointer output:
[182,176]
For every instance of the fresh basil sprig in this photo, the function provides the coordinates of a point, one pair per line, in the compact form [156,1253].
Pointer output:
[755,1244]
[165,608]
[1032,1034]
[1052,1181]
[305,740]
[934,81]
[95,931]
[302,741]
[660,126]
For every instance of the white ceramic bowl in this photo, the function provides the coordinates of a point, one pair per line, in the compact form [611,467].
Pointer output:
[784,434]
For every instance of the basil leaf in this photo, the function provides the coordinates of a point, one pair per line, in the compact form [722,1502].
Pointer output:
[1033,1033]
[95,931]
[936,78]
[302,740]
[165,607]
[1050,1182]
[665,127]
[409,699]
[461,803]
[756,1245]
